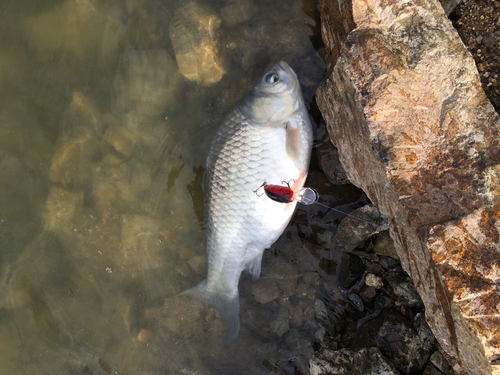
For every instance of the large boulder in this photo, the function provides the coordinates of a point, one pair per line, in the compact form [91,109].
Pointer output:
[405,108]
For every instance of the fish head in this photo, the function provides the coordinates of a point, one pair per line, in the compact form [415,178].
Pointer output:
[275,97]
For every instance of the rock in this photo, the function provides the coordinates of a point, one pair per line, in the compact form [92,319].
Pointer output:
[438,360]
[72,163]
[328,158]
[449,5]
[389,263]
[404,289]
[384,245]
[63,210]
[198,264]
[396,338]
[373,280]
[360,225]
[118,138]
[265,290]
[368,293]
[405,108]
[430,369]
[366,361]
[350,270]
[193,32]
[280,325]
[356,301]
[83,22]
[150,81]
[321,316]
[237,12]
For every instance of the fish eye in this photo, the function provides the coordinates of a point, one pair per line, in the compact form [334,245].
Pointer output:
[271,78]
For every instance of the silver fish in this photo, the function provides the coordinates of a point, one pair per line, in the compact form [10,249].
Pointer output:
[266,137]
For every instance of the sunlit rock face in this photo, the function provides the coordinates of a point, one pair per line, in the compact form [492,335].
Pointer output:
[193,33]
[414,129]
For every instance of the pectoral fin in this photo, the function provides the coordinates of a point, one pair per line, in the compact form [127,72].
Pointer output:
[293,141]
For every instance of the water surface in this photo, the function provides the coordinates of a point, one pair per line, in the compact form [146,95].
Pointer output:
[107,111]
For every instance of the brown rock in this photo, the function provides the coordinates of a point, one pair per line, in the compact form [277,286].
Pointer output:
[415,131]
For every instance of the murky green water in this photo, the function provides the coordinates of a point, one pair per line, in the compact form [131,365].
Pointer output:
[107,111]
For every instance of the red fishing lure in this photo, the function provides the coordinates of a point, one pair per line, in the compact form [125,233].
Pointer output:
[285,194]
[279,193]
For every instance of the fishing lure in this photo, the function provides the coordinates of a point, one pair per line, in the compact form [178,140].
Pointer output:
[305,195]
[285,194]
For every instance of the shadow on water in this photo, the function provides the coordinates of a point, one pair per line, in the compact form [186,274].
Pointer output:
[106,115]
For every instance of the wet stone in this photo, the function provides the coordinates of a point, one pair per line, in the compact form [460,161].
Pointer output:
[438,360]
[360,225]
[328,157]
[350,270]
[373,280]
[397,339]
[281,325]
[384,245]
[321,316]
[366,361]
[357,301]
[389,263]
[71,165]
[119,140]
[198,264]
[265,290]
[404,289]
[368,293]
[424,332]
[430,369]
[193,33]
[237,12]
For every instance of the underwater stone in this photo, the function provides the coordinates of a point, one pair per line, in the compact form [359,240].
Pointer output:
[359,226]
[150,81]
[397,339]
[369,361]
[403,288]
[265,290]
[118,139]
[373,280]
[193,32]
[237,12]
[384,245]
[72,163]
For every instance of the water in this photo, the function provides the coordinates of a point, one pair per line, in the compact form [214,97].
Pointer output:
[105,122]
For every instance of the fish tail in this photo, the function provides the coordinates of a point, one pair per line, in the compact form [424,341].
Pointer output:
[229,308]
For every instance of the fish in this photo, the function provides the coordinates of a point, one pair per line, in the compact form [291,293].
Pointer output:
[266,137]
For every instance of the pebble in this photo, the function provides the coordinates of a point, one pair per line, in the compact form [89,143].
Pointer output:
[373,280]
[265,290]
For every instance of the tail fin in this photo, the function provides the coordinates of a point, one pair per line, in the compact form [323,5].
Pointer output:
[229,308]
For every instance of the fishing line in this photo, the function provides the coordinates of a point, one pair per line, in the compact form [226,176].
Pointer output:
[307,196]
[344,213]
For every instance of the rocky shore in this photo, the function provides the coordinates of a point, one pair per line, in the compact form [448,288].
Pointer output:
[404,106]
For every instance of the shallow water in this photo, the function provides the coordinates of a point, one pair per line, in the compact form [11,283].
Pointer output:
[105,122]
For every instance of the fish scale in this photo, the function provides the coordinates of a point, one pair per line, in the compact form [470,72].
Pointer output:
[266,137]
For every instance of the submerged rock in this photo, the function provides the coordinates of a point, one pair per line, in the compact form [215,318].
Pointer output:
[403,288]
[415,131]
[366,361]
[193,32]
[237,12]
[359,226]
[397,339]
